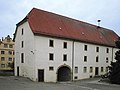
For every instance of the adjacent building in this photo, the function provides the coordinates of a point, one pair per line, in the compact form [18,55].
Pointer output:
[6,54]
[51,48]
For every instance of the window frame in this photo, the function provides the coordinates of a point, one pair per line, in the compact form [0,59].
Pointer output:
[64,57]
[85,47]
[51,56]
[65,45]
[51,43]
[22,57]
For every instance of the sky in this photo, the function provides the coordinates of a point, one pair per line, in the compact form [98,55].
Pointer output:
[108,11]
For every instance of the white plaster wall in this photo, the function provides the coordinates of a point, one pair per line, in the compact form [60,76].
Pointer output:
[42,51]
[36,49]
[91,59]
[27,68]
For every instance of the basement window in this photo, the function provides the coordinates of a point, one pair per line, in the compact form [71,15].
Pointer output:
[51,68]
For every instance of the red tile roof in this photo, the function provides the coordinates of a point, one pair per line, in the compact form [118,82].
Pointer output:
[47,23]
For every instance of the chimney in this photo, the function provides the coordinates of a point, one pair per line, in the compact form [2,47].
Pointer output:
[98,23]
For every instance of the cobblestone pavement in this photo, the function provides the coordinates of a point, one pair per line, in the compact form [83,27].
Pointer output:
[20,83]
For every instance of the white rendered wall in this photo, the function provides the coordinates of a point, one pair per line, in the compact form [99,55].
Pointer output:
[27,68]
[36,50]
[42,51]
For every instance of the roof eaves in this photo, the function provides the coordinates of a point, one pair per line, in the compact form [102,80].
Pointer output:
[72,39]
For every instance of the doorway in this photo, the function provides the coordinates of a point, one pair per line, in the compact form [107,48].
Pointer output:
[17,71]
[96,71]
[41,75]
[64,74]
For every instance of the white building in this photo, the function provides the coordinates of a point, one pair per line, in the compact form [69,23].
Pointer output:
[51,48]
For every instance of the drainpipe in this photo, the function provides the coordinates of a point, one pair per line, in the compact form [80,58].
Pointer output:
[72,59]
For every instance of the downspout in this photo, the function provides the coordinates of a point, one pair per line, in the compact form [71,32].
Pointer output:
[72,59]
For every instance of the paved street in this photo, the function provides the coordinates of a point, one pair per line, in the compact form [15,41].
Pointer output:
[20,83]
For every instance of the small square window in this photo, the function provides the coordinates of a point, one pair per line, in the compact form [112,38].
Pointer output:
[75,77]
[76,69]
[2,65]
[107,60]
[10,52]
[51,68]
[10,46]
[106,69]
[91,69]
[2,58]
[97,49]
[85,69]
[97,59]
[85,47]
[5,46]
[107,50]
[85,58]
[10,59]
[65,57]
[51,56]
[2,52]
[65,45]
[51,43]
[102,69]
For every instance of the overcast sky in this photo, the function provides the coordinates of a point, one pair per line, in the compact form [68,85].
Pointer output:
[108,11]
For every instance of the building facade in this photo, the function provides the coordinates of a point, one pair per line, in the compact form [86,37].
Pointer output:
[51,48]
[6,53]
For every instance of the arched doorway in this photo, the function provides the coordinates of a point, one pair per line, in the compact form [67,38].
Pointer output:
[64,74]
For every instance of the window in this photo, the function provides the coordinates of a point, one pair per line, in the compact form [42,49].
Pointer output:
[22,31]
[13,52]
[107,50]
[65,45]
[22,44]
[85,47]
[101,69]
[2,58]
[51,68]
[91,69]
[22,57]
[75,77]
[97,49]
[106,69]
[10,59]
[51,56]
[2,52]
[2,65]
[10,46]
[85,69]
[76,69]
[5,46]
[107,60]
[97,59]
[10,52]
[65,57]
[51,43]
[85,58]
